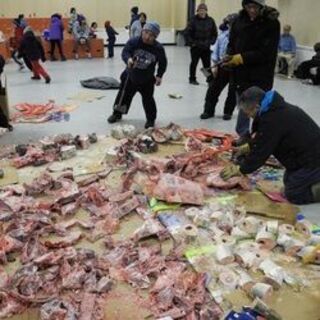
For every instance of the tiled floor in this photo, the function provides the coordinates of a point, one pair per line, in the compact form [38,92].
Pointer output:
[91,117]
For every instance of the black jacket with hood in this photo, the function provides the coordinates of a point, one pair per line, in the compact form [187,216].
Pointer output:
[201,32]
[288,133]
[257,41]
[31,47]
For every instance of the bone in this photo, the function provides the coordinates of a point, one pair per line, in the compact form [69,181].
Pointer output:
[304,227]
[227,240]
[291,246]
[190,233]
[247,259]
[262,291]
[250,225]
[274,274]
[286,229]
[245,281]
[224,254]
[239,234]
[228,279]
[266,239]
[272,226]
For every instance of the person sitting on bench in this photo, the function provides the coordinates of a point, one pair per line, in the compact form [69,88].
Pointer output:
[81,33]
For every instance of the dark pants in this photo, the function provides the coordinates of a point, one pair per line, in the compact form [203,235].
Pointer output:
[111,43]
[53,47]
[128,90]
[27,62]
[216,87]
[196,54]
[14,56]
[298,185]
[303,71]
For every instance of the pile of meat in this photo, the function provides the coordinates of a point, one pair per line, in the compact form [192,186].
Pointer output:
[184,178]
[69,282]
[49,149]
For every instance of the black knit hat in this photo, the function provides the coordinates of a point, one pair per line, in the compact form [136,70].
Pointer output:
[262,3]
[135,10]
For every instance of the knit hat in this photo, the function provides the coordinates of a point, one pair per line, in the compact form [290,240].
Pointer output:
[27,29]
[135,10]
[262,3]
[153,27]
[202,6]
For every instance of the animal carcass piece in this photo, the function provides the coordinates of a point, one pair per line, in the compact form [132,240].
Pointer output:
[171,188]
[214,180]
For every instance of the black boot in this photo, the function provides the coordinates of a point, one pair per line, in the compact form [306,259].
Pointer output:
[149,124]
[194,82]
[115,117]
[227,117]
[205,116]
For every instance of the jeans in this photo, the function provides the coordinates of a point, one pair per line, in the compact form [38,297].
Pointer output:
[111,48]
[53,46]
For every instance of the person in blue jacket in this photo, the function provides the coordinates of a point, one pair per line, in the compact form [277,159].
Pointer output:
[287,50]
[141,55]
[220,76]
[56,36]
[289,134]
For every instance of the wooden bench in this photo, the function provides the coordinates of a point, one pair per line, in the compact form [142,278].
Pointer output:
[97,48]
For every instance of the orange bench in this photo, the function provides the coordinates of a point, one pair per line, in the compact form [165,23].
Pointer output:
[4,50]
[97,48]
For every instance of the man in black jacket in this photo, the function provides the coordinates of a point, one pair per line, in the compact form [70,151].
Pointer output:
[252,51]
[288,133]
[141,55]
[201,34]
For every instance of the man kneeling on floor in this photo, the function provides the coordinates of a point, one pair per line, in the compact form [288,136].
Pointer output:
[288,133]
[141,55]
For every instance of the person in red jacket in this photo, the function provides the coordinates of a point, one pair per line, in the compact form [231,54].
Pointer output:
[32,48]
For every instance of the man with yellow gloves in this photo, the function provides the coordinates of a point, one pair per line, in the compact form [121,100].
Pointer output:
[288,133]
[252,52]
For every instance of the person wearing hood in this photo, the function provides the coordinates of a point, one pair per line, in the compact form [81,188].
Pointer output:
[81,33]
[32,48]
[134,15]
[252,52]
[141,55]
[220,76]
[19,25]
[137,26]
[290,135]
[201,33]
[56,36]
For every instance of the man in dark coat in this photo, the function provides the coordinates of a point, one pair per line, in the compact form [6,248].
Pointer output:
[201,34]
[32,48]
[252,51]
[141,55]
[288,133]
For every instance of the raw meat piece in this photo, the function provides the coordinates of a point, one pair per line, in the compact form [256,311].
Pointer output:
[70,208]
[118,197]
[31,250]
[214,180]
[8,244]
[15,203]
[58,309]
[87,181]
[127,207]
[87,306]
[39,185]
[193,144]
[74,279]
[69,192]
[171,188]
[4,278]
[149,228]
[71,239]
[9,306]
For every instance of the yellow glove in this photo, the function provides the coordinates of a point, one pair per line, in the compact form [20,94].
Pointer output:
[230,171]
[234,61]
[242,150]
